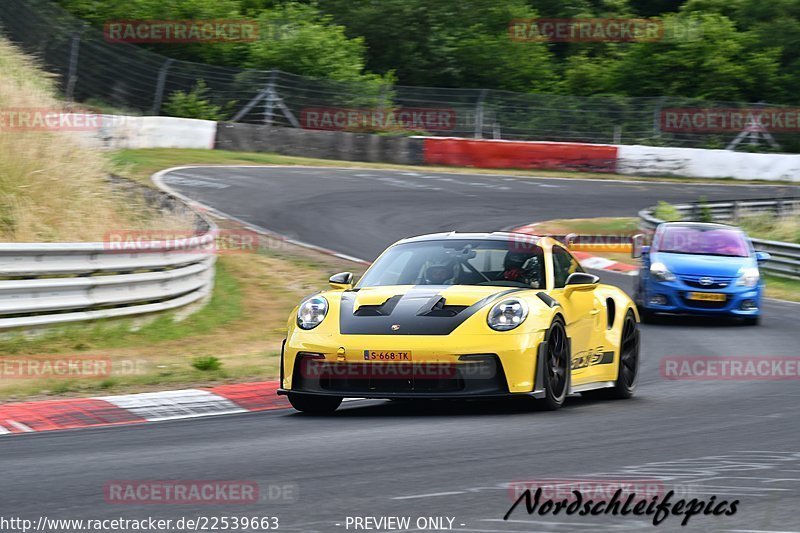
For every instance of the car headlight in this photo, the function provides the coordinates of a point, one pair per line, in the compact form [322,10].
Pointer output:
[507,314]
[312,312]
[748,277]
[660,272]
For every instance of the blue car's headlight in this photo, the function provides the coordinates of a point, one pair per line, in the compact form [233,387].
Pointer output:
[312,312]
[507,314]
[748,277]
[660,272]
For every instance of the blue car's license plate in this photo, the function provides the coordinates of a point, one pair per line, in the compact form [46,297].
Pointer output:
[707,296]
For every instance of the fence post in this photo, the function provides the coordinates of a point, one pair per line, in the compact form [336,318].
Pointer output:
[270,98]
[617,134]
[162,79]
[479,114]
[657,117]
[72,73]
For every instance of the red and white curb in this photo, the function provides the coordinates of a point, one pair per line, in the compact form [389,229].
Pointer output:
[50,415]
[601,263]
[586,259]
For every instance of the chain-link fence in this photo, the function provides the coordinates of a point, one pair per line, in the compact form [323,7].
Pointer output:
[131,78]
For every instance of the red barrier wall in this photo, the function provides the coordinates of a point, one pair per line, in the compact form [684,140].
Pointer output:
[520,154]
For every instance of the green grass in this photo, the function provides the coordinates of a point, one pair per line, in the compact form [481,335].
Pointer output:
[766,226]
[782,288]
[770,227]
[593,226]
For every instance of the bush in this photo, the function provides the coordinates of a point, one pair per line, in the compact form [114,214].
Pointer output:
[667,212]
[196,104]
[206,364]
[704,214]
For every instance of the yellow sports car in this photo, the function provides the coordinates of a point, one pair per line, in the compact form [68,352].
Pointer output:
[463,315]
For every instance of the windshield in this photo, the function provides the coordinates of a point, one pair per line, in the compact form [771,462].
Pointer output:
[459,262]
[727,242]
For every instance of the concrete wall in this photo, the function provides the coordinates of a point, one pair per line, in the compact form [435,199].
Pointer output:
[339,145]
[115,132]
[697,163]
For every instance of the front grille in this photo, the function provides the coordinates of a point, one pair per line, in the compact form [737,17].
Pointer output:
[484,376]
[716,282]
[365,381]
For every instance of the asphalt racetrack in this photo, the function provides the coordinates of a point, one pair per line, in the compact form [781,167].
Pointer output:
[729,439]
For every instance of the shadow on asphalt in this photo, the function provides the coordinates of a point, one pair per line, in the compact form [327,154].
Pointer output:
[452,408]
[697,321]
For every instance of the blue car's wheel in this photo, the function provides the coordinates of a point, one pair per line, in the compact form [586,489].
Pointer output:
[646,315]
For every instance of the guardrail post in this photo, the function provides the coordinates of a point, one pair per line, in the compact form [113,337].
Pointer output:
[735,212]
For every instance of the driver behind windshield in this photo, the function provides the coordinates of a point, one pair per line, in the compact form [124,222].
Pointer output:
[458,262]
[523,268]
[442,271]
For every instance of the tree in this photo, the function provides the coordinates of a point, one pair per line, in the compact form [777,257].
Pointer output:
[712,64]
[447,43]
[302,40]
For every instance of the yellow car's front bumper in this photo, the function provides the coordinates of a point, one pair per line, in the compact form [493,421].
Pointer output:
[471,365]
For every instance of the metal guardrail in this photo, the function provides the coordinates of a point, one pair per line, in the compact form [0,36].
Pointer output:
[58,283]
[785,257]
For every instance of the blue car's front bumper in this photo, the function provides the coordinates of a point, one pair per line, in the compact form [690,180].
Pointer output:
[673,297]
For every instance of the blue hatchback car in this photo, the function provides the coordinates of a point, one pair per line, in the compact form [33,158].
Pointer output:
[700,269]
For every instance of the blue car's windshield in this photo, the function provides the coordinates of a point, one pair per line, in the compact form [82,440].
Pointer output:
[459,262]
[727,242]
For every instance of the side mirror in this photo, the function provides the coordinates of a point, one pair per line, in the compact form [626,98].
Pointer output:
[637,246]
[762,256]
[342,280]
[580,282]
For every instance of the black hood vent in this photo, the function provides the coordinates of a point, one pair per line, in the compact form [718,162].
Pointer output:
[384,309]
[420,311]
[437,306]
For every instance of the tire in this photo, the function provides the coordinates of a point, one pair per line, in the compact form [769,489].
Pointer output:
[557,373]
[314,405]
[752,320]
[628,368]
